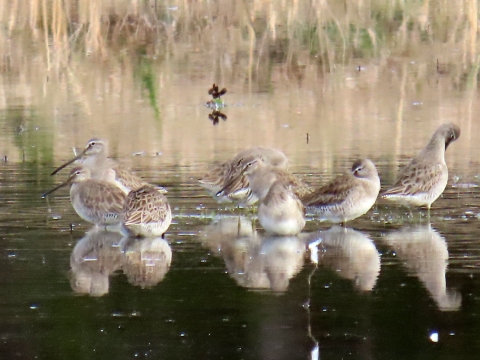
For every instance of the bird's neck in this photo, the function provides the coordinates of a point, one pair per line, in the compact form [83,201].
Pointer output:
[435,149]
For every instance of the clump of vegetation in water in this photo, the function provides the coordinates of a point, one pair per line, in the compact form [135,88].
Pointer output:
[217,102]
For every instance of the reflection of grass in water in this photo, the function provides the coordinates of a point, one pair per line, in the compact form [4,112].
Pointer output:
[33,142]
[147,78]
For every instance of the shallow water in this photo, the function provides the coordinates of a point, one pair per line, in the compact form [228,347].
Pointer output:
[393,285]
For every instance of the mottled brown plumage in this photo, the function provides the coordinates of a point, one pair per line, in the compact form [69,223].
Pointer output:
[95,158]
[259,175]
[347,196]
[230,173]
[147,212]
[280,211]
[96,201]
[424,179]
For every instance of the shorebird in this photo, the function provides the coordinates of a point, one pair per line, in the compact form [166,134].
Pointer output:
[230,173]
[425,177]
[347,196]
[96,201]
[95,158]
[280,211]
[258,173]
[147,212]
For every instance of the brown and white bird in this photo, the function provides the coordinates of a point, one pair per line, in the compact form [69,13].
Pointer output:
[97,201]
[230,173]
[95,158]
[280,212]
[147,212]
[347,196]
[425,177]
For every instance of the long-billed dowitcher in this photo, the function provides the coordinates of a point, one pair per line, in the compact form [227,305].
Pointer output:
[96,201]
[347,196]
[280,211]
[95,158]
[258,174]
[425,177]
[147,212]
[230,172]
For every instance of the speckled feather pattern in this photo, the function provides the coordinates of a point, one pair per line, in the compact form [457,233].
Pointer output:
[347,196]
[95,158]
[97,202]
[147,212]
[128,179]
[229,174]
[425,177]
[259,180]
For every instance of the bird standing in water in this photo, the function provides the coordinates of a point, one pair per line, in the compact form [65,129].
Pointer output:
[425,177]
[347,196]
[97,201]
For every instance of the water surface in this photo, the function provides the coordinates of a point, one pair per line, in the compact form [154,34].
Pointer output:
[393,285]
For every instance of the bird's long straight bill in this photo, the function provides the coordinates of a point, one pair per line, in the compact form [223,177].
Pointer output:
[67,163]
[55,188]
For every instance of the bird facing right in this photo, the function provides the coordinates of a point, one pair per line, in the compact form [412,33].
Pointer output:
[347,196]
[425,177]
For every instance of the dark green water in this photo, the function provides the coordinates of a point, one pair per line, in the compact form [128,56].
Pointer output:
[324,81]
[381,291]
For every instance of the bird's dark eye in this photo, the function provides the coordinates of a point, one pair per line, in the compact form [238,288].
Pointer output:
[357,170]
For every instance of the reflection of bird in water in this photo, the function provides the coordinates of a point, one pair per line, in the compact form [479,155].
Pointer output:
[424,253]
[283,258]
[218,235]
[254,262]
[350,253]
[425,177]
[95,158]
[96,201]
[93,259]
[230,172]
[280,212]
[146,261]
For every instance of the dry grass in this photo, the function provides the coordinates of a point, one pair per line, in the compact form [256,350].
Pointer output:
[100,58]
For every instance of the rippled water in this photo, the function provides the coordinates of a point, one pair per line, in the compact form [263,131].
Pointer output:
[392,285]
